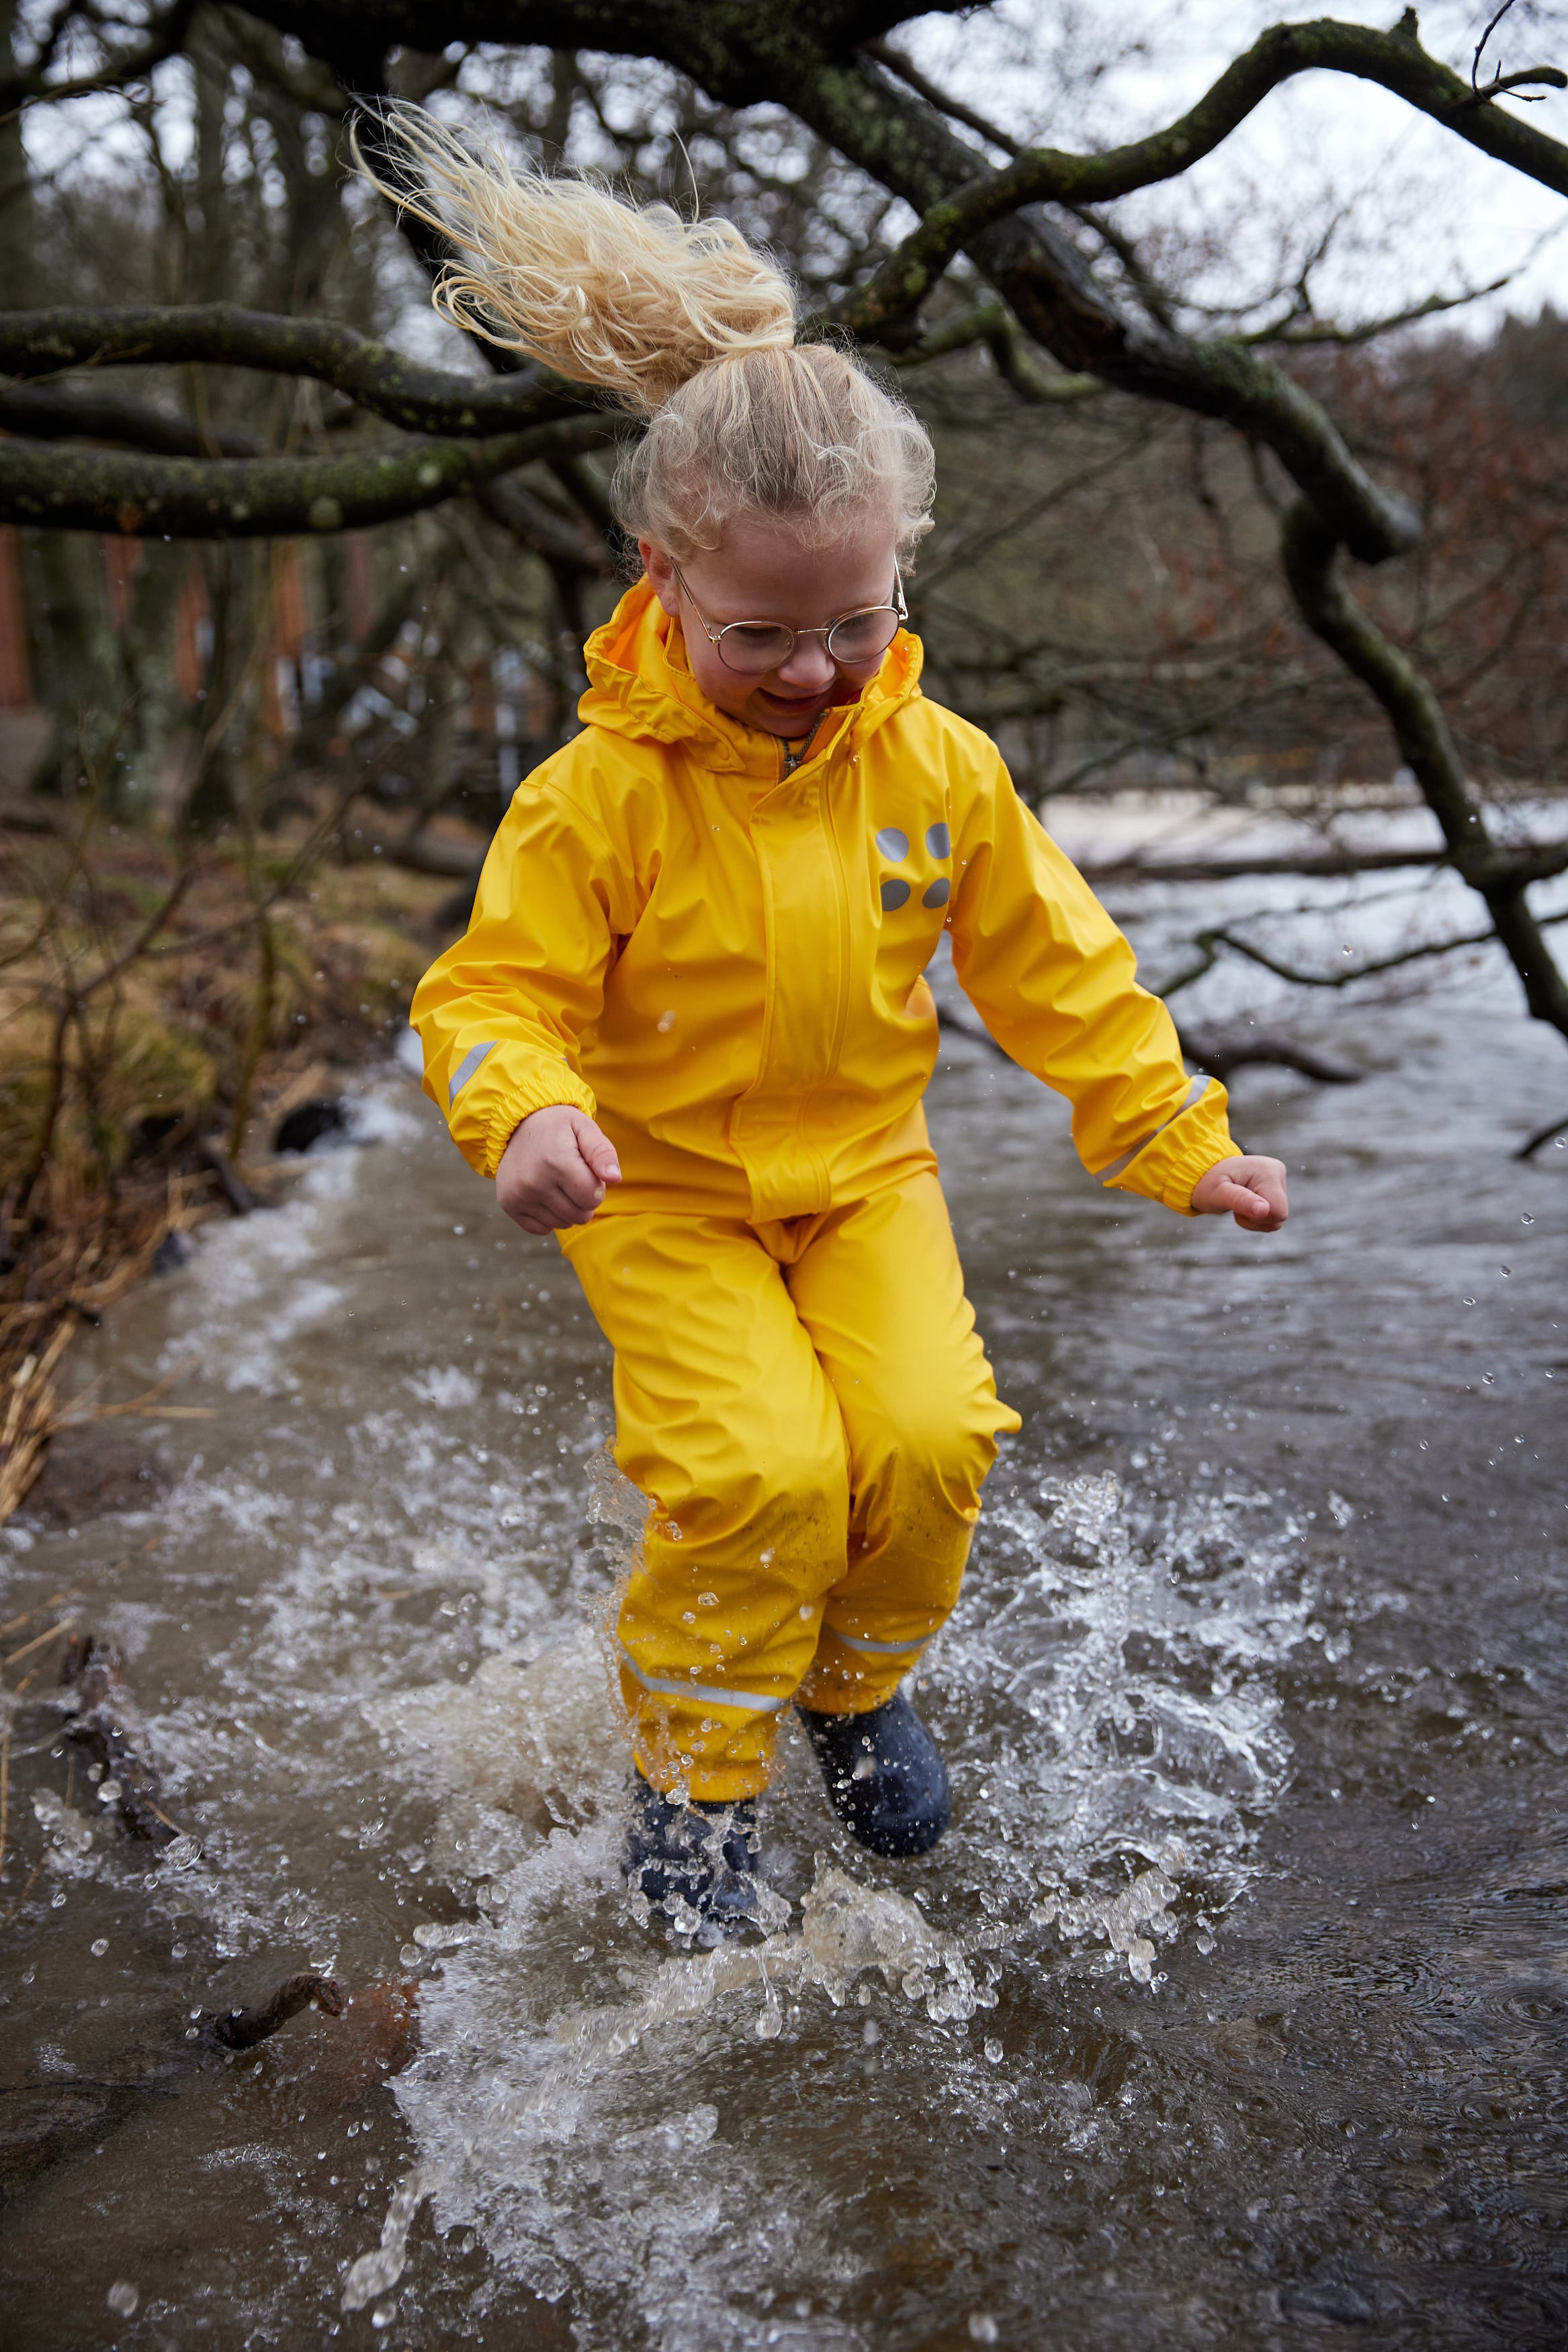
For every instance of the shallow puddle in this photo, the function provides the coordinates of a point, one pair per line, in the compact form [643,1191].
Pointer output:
[1233,2011]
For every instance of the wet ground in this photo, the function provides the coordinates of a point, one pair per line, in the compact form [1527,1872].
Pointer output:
[1233,2012]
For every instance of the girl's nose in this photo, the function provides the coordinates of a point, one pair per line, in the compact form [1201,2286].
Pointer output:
[810,664]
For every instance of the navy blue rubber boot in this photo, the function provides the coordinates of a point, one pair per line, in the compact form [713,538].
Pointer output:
[884,1774]
[696,1861]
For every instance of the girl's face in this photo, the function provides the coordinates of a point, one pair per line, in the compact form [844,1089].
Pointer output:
[762,573]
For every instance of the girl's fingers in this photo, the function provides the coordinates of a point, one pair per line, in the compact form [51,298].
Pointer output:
[599,1156]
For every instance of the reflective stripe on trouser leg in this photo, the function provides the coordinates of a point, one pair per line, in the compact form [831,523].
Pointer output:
[669,1750]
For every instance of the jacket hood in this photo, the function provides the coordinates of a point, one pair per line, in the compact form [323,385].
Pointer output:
[640,685]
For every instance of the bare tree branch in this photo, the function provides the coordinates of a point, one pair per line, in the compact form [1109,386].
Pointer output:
[51,412]
[886,55]
[165,36]
[35,343]
[263,497]
[1288,337]
[1053,175]
[1221,935]
[1311,550]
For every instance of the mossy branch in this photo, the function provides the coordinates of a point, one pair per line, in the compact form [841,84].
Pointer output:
[420,399]
[264,498]
[1397,61]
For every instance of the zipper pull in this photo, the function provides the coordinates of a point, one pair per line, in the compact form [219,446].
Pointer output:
[793,759]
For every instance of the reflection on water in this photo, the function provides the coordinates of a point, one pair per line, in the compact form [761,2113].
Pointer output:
[1233,2010]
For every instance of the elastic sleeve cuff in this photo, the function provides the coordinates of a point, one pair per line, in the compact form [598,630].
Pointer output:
[1170,1163]
[520,1100]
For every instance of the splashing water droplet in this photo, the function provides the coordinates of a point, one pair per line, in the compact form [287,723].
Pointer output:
[123,2298]
[383,2314]
[993,2052]
[99,1947]
[982,2326]
[1527,1219]
[182,1853]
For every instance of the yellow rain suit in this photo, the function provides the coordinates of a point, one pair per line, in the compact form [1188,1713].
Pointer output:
[718,955]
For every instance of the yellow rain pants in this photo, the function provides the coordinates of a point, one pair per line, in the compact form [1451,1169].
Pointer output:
[808,1406]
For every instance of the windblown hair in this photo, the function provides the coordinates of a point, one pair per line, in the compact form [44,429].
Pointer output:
[684,324]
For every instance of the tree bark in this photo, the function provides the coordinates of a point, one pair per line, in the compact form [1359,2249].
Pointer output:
[265,498]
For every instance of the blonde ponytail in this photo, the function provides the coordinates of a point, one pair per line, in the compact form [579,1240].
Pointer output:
[681,322]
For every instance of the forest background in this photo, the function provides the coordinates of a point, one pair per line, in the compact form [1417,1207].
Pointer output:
[294,581]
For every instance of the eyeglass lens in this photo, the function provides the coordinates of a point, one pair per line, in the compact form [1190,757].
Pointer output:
[752,647]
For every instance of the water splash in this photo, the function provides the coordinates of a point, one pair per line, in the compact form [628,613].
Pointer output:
[1108,1704]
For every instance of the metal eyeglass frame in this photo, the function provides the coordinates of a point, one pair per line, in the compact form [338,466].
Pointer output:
[715,637]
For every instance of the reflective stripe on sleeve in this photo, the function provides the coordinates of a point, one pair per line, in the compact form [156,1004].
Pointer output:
[465,1069]
[1195,1093]
[708,1694]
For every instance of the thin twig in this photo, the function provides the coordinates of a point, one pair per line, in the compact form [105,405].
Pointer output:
[38,1641]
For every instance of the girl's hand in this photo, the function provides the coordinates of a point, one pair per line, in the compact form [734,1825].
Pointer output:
[1251,1188]
[554,1171]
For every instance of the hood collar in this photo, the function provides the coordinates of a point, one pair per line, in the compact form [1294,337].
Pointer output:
[640,685]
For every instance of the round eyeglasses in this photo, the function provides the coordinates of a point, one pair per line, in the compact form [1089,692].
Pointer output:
[752,648]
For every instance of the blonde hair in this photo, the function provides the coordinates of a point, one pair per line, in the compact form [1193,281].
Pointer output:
[681,322]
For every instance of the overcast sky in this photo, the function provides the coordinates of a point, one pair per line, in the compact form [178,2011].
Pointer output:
[1427,214]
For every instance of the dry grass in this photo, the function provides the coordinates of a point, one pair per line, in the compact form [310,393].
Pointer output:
[162,1008]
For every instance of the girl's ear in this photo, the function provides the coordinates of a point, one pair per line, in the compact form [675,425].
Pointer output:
[661,573]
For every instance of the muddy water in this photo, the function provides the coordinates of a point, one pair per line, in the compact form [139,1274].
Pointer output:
[1233,2011]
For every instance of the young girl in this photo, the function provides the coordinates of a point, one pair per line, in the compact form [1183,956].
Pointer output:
[687,1030]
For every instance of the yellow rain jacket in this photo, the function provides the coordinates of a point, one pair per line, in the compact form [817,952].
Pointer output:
[719,957]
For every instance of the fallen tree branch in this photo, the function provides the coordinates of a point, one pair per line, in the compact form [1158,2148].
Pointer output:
[1327,863]
[242,2029]
[1220,1055]
[1217,1056]
[104,1720]
[1209,943]
[1542,1135]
